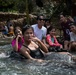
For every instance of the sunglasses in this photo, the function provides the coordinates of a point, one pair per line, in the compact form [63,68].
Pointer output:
[41,19]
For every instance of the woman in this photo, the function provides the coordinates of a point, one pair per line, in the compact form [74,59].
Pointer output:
[52,41]
[32,48]
[18,41]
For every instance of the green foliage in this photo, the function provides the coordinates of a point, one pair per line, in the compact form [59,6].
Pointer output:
[49,7]
[20,5]
[6,5]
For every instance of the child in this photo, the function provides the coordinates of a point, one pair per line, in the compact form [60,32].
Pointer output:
[52,41]
[18,41]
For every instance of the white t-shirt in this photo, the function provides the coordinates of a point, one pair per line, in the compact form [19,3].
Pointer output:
[39,33]
[72,36]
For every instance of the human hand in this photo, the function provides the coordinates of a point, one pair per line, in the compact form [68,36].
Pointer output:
[35,39]
[38,60]
[19,37]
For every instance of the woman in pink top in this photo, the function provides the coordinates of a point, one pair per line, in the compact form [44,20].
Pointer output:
[51,39]
[18,41]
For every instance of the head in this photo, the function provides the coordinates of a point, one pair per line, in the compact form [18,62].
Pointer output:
[40,20]
[47,22]
[52,31]
[73,27]
[28,33]
[17,31]
[18,27]
[62,18]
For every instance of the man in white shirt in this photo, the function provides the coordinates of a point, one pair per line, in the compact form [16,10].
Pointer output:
[72,45]
[39,29]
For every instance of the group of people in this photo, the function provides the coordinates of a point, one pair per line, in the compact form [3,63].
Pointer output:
[7,29]
[35,41]
[69,32]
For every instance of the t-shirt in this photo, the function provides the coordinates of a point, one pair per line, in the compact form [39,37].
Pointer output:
[72,36]
[39,33]
[52,39]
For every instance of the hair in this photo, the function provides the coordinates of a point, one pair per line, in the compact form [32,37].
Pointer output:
[38,17]
[18,28]
[47,20]
[52,28]
[26,27]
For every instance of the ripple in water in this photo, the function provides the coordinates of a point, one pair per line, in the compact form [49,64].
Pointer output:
[54,64]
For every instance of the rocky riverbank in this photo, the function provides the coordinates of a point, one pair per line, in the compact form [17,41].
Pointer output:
[16,18]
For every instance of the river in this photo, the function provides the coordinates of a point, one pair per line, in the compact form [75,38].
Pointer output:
[55,64]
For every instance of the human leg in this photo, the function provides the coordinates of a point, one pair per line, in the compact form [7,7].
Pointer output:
[66,43]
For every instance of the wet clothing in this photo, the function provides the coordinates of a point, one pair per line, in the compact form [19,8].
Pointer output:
[19,43]
[35,53]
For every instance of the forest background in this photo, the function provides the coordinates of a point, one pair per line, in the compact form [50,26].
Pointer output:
[20,10]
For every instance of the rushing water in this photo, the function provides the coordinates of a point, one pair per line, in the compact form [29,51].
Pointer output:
[55,64]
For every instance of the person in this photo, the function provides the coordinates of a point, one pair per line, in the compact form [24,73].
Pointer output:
[72,46]
[8,23]
[48,25]
[4,31]
[52,40]
[64,22]
[18,40]
[39,30]
[11,30]
[32,48]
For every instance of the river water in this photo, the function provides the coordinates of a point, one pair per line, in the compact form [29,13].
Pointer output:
[55,64]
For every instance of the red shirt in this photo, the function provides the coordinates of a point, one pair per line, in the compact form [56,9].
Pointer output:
[49,41]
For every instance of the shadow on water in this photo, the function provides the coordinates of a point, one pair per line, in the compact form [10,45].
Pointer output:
[54,64]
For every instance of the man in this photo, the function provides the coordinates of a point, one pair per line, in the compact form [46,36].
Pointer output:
[39,30]
[64,22]
[72,46]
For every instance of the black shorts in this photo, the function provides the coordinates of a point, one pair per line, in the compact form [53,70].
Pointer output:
[67,38]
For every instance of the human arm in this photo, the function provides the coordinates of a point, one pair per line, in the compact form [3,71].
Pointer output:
[26,53]
[15,43]
[49,41]
[41,44]
[44,41]
[57,43]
